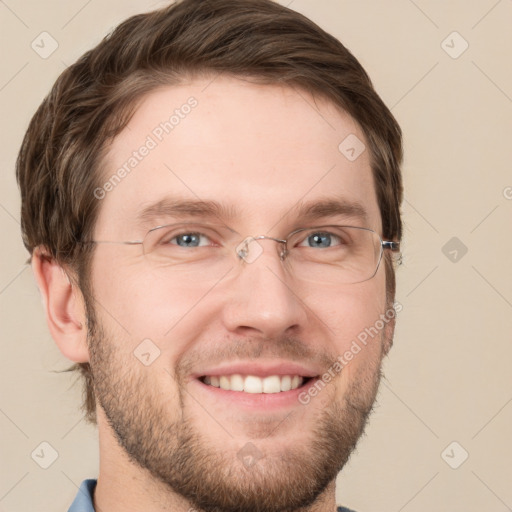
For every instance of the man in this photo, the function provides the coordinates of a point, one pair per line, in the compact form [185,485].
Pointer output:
[211,201]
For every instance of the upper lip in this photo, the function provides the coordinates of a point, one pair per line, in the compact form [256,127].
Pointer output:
[259,369]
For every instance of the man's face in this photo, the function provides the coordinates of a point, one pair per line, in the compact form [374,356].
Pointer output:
[160,332]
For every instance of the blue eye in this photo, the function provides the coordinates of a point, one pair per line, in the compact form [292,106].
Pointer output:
[321,239]
[188,239]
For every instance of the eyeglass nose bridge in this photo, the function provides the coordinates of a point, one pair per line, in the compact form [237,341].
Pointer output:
[243,253]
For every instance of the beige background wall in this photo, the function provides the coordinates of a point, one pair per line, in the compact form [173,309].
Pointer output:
[448,376]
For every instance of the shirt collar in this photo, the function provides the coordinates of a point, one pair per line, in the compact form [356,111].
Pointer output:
[83,500]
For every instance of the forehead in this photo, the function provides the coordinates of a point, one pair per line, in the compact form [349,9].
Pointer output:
[260,151]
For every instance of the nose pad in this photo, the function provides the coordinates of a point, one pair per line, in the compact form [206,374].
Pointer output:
[249,250]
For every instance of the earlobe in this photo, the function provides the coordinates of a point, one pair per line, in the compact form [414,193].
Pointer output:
[64,306]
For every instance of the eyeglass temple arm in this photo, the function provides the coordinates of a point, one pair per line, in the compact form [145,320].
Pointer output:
[392,246]
[129,242]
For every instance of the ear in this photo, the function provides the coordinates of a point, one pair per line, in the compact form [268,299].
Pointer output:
[64,306]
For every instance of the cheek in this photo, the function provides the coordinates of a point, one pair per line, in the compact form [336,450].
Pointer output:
[352,318]
[139,302]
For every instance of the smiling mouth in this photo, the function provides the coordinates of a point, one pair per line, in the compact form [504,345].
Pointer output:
[254,384]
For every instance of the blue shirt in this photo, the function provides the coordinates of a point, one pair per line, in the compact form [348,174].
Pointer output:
[83,499]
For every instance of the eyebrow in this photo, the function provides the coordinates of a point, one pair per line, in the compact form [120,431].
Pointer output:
[315,210]
[208,209]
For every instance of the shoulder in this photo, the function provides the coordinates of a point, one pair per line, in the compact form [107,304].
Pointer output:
[344,509]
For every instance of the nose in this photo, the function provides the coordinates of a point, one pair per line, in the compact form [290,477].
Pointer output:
[264,298]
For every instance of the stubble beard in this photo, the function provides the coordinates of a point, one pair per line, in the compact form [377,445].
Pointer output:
[178,454]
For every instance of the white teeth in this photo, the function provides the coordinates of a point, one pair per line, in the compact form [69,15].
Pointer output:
[286,383]
[272,384]
[237,382]
[224,382]
[253,384]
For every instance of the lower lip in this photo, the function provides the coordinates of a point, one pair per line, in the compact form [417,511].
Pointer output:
[252,401]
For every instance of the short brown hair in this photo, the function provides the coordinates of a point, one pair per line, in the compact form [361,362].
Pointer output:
[59,163]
